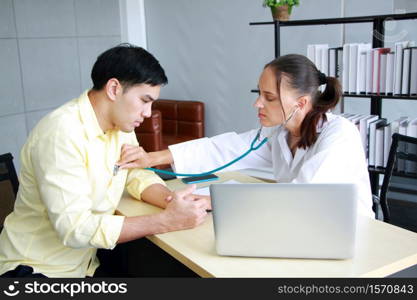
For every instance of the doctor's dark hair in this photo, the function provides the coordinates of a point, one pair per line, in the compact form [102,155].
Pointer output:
[305,79]
[130,65]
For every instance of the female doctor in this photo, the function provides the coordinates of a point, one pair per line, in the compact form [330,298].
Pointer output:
[306,143]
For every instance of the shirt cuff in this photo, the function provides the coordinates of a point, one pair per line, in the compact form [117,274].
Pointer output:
[108,232]
[176,165]
[142,179]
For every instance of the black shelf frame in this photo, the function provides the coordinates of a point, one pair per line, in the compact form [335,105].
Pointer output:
[378,30]
[384,96]
[345,20]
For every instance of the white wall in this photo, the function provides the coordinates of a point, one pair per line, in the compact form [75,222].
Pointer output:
[211,53]
[132,22]
[47,49]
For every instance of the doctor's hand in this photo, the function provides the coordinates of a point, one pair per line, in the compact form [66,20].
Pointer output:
[185,210]
[134,157]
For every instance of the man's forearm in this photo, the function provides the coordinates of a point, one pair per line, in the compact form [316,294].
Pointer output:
[141,226]
[156,194]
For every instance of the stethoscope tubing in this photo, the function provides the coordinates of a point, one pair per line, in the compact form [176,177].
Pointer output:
[253,147]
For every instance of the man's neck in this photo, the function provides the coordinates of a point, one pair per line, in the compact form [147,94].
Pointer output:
[101,108]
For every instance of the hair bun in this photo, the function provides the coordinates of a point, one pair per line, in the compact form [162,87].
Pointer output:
[322,78]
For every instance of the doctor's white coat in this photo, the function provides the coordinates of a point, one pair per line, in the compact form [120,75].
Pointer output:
[336,157]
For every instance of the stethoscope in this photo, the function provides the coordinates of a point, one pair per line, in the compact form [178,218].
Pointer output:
[253,147]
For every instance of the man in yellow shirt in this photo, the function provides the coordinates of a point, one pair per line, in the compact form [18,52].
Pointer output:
[69,189]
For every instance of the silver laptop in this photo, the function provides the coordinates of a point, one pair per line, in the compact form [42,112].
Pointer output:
[285,220]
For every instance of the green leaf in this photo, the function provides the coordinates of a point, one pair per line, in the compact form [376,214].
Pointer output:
[276,3]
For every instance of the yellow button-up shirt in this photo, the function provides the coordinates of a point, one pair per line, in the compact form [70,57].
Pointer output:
[65,206]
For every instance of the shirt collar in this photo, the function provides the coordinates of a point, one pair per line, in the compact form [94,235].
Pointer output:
[88,117]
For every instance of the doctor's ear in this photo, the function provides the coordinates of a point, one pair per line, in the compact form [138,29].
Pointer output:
[302,101]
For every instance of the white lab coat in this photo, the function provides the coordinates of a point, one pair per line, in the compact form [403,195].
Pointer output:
[336,157]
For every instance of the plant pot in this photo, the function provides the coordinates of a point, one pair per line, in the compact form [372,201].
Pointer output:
[280,13]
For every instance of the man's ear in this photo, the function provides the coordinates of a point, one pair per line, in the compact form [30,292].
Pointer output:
[113,88]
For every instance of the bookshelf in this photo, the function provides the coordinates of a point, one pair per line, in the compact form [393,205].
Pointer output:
[378,29]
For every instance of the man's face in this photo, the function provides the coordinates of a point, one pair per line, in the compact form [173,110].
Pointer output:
[132,105]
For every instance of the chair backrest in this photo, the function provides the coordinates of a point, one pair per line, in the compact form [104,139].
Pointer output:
[8,171]
[9,185]
[180,117]
[172,122]
[149,133]
[399,188]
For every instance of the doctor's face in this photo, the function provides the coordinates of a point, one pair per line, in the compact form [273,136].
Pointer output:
[133,105]
[274,106]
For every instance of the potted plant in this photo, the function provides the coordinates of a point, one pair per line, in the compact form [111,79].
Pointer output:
[281,9]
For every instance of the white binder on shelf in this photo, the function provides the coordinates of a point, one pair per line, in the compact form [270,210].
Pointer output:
[405,80]
[389,83]
[325,60]
[364,131]
[361,86]
[387,143]
[320,48]
[369,71]
[379,146]
[361,67]
[398,59]
[376,70]
[413,71]
[372,140]
[355,119]
[346,115]
[332,62]
[358,123]
[345,75]
[383,73]
[353,67]
[351,116]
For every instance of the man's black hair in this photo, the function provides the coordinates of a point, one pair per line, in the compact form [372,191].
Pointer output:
[130,65]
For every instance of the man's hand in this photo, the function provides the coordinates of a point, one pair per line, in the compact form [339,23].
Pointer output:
[194,197]
[134,157]
[204,198]
[185,210]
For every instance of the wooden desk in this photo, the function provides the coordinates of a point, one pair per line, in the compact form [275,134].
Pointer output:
[382,249]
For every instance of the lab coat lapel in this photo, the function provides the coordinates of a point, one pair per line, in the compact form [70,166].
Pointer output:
[298,157]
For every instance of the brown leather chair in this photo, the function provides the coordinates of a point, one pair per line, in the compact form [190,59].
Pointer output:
[9,185]
[149,133]
[172,122]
